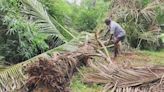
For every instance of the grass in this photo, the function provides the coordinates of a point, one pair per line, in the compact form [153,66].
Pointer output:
[156,57]
[154,53]
[77,84]
[141,58]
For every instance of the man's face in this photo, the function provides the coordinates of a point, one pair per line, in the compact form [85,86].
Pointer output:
[107,23]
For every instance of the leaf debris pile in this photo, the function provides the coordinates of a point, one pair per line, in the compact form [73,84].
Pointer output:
[131,79]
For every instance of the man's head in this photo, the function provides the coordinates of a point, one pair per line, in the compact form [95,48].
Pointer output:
[107,21]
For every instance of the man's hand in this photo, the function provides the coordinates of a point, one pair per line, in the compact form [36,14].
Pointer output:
[111,41]
[111,37]
[106,42]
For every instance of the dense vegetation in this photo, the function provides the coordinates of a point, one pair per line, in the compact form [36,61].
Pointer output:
[27,31]
[141,19]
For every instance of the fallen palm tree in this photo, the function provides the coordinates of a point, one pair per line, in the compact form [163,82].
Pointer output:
[13,78]
[54,74]
[119,79]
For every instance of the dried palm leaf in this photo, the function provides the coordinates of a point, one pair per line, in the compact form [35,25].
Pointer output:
[119,79]
[134,9]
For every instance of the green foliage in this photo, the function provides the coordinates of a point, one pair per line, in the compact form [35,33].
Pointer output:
[59,9]
[44,20]
[89,14]
[132,33]
[82,18]
[160,15]
[9,5]
[86,20]
[145,2]
[77,84]
[162,37]
[21,40]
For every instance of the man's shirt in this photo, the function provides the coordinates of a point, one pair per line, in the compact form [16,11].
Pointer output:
[116,29]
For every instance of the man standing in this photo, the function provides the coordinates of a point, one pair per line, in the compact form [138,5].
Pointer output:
[117,33]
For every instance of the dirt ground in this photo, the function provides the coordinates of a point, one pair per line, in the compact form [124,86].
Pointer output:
[141,58]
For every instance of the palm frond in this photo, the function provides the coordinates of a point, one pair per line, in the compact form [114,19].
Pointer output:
[149,12]
[134,9]
[119,79]
[42,18]
[149,36]
[13,78]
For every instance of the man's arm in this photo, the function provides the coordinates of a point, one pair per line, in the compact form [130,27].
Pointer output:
[109,40]
[111,37]
[112,31]
[108,30]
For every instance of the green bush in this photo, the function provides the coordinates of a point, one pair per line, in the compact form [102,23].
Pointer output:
[59,9]
[82,18]
[21,40]
[89,14]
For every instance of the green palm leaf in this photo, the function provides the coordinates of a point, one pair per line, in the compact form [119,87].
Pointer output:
[43,20]
[149,12]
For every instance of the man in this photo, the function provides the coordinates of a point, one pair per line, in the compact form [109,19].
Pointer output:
[117,32]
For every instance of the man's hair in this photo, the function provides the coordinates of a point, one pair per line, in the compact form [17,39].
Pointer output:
[107,21]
